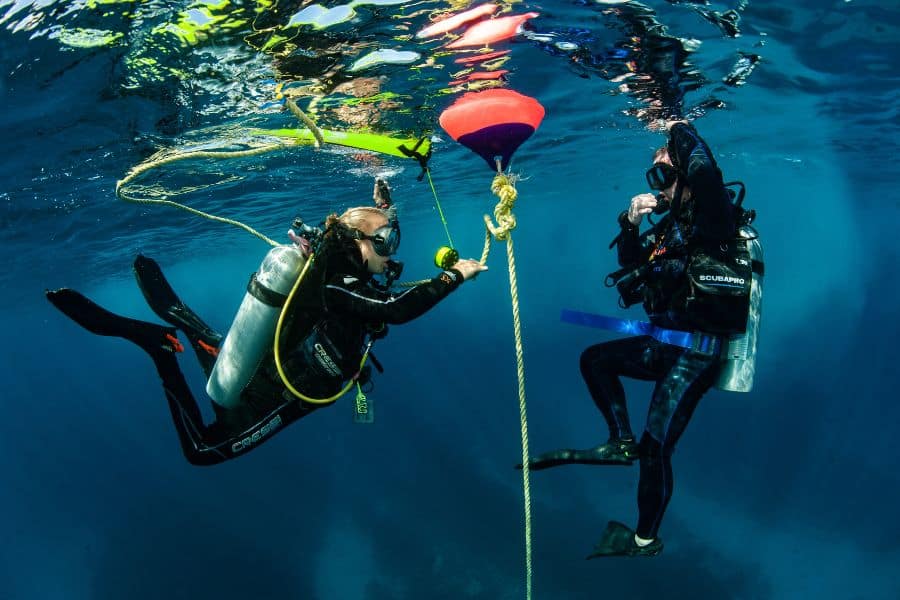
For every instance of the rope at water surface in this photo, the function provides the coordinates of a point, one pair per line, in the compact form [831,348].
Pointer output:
[155,163]
[216,155]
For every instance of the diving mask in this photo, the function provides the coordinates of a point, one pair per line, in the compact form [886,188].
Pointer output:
[661,176]
[385,240]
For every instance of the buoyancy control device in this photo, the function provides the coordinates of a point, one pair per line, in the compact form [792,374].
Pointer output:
[718,298]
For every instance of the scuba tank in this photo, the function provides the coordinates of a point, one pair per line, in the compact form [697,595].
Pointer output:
[739,356]
[253,331]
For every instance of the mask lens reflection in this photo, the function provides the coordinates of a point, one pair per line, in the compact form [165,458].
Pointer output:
[386,240]
[661,176]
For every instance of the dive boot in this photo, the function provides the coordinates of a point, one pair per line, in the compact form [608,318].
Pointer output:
[163,300]
[619,451]
[618,540]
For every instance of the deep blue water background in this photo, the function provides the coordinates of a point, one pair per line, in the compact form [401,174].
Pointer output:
[789,491]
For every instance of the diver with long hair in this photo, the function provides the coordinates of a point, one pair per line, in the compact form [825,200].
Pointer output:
[339,309]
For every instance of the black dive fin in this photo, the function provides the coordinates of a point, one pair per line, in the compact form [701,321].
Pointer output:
[618,540]
[163,300]
[614,452]
[150,337]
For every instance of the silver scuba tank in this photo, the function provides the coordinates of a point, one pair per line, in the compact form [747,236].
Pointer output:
[252,333]
[739,356]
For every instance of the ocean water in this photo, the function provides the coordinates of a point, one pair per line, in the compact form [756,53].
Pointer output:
[789,491]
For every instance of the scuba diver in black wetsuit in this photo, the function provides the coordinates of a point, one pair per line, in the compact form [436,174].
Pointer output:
[702,217]
[321,339]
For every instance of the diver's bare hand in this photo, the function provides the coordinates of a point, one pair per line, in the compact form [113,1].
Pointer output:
[469,267]
[642,204]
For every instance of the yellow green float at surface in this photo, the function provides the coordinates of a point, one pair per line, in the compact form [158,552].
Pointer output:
[364,141]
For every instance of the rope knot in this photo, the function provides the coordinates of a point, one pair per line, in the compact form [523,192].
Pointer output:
[504,188]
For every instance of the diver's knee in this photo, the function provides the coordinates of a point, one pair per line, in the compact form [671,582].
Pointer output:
[652,449]
[592,359]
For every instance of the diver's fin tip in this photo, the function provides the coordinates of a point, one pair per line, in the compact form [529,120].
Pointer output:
[142,262]
[55,296]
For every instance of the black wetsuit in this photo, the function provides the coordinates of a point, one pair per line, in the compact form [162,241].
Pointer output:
[682,376]
[341,311]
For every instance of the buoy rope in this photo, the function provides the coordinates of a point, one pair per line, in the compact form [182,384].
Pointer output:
[310,124]
[154,163]
[218,155]
[503,187]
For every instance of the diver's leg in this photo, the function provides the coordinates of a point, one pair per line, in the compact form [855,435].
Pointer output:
[199,443]
[602,365]
[265,408]
[235,431]
[674,399]
[163,300]
[237,441]
[161,344]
